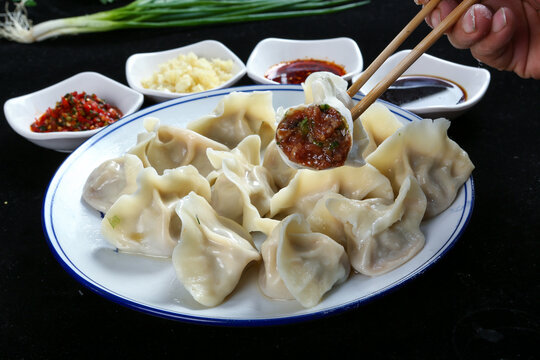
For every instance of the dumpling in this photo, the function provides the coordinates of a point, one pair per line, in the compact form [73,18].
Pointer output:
[238,115]
[212,252]
[301,264]
[242,188]
[381,234]
[423,149]
[168,147]
[145,222]
[379,123]
[110,180]
[320,134]
[308,186]
[322,221]
[280,171]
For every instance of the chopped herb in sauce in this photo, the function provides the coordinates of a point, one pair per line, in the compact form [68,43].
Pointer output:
[76,112]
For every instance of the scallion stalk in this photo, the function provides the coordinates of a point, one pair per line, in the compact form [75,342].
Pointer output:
[164,13]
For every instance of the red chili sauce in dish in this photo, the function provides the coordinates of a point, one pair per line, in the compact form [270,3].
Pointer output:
[77,112]
[315,136]
[296,71]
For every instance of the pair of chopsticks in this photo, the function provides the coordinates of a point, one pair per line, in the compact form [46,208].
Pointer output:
[421,48]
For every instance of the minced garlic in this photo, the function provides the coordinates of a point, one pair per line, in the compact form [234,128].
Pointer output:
[189,73]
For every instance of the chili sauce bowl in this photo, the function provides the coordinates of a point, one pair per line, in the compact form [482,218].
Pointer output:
[272,51]
[142,65]
[22,111]
[470,81]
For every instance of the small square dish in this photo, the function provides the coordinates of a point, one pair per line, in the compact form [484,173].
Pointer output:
[432,87]
[142,66]
[272,51]
[22,111]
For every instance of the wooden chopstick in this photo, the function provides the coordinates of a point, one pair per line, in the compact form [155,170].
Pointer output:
[390,48]
[421,48]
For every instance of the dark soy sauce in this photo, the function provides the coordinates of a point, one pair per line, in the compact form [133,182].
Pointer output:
[424,90]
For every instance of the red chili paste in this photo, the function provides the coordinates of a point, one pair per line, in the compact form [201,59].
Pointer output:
[77,112]
[315,136]
[296,71]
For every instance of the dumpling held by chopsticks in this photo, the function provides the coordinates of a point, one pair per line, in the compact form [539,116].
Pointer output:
[321,134]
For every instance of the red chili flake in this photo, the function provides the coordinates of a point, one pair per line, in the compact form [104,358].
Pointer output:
[77,112]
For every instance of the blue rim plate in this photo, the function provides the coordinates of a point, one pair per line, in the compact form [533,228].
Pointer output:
[149,285]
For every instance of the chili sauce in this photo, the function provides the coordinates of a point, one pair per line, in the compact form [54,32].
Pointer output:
[77,112]
[296,71]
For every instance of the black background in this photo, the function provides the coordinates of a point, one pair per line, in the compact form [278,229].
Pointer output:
[480,301]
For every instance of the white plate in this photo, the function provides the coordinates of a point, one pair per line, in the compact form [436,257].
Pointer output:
[143,65]
[473,80]
[150,285]
[22,111]
[342,51]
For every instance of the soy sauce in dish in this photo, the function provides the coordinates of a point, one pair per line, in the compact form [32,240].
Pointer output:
[424,90]
[296,71]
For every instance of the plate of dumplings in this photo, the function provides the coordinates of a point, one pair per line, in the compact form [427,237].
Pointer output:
[187,210]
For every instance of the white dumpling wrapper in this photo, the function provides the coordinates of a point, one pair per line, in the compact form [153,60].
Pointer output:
[379,123]
[424,150]
[308,186]
[212,252]
[382,235]
[305,263]
[322,221]
[325,88]
[238,115]
[145,222]
[242,188]
[167,147]
[110,180]
[279,170]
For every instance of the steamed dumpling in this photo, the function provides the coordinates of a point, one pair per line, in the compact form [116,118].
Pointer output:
[238,115]
[212,252]
[423,149]
[323,90]
[379,123]
[308,186]
[280,171]
[145,222]
[168,147]
[381,234]
[322,221]
[110,180]
[242,188]
[301,264]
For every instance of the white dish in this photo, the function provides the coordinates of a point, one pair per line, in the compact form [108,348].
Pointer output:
[473,80]
[342,51]
[143,65]
[150,285]
[22,111]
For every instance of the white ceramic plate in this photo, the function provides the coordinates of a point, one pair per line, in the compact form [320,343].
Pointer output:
[473,80]
[22,111]
[342,51]
[143,65]
[150,285]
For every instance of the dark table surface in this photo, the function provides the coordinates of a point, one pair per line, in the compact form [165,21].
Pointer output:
[480,301]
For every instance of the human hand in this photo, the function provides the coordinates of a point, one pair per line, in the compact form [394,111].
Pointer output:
[504,34]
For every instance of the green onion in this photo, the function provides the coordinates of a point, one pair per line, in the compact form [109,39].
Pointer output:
[165,13]
[114,221]
[324,107]
[304,125]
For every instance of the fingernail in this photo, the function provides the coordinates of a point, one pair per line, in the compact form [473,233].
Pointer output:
[499,20]
[469,25]
[435,18]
